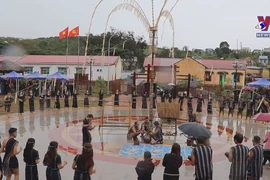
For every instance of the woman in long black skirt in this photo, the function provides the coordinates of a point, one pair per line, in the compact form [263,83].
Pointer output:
[154,100]
[209,105]
[100,98]
[116,98]
[53,162]
[21,99]
[144,101]
[75,100]
[86,99]
[57,100]
[48,100]
[189,103]
[31,102]
[41,102]
[31,159]
[66,99]
[181,100]
[134,95]
[83,164]
[200,101]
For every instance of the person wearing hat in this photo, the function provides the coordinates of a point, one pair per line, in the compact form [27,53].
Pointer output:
[87,126]
[157,134]
[145,168]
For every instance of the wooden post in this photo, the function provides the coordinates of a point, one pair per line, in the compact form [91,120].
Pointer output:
[134,79]
[148,79]
[188,88]
[129,114]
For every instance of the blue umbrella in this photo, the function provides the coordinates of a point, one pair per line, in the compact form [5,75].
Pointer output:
[12,75]
[58,76]
[35,76]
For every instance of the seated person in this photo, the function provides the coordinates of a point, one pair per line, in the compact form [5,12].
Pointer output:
[157,134]
[192,117]
[145,127]
[134,132]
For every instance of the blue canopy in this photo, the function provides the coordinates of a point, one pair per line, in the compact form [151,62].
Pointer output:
[36,76]
[260,83]
[12,75]
[58,76]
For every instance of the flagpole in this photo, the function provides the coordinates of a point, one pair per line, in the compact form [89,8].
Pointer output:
[66,63]
[67,52]
[78,75]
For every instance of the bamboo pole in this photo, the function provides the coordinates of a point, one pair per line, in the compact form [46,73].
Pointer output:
[129,113]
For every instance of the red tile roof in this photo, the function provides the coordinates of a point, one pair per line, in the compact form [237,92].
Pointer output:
[11,58]
[160,62]
[61,60]
[221,64]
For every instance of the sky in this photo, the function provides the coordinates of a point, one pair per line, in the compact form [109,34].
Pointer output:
[197,23]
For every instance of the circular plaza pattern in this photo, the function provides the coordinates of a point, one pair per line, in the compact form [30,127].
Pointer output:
[109,143]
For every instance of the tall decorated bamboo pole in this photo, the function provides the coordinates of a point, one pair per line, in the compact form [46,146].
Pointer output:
[134,7]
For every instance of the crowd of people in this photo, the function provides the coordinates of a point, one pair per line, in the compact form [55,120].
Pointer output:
[246,164]
[83,164]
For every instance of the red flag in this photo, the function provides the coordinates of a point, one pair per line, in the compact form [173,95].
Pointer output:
[74,32]
[63,33]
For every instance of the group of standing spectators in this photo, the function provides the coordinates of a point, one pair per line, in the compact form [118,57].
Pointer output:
[246,164]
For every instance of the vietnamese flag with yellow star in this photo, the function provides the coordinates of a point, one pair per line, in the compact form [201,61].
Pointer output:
[74,32]
[63,33]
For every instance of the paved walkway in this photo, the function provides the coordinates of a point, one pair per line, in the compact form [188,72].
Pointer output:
[114,157]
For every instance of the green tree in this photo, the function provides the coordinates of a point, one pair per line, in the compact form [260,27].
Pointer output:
[100,84]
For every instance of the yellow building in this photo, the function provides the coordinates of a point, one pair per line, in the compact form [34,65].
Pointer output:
[210,72]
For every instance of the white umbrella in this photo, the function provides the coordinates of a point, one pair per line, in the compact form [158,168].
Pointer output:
[171,84]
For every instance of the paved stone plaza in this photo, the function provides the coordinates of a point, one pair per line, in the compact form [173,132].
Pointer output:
[115,158]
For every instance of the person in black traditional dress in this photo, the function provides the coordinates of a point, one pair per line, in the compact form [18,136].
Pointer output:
[249,108]
[41,102]
[87,126]
[48,100]
[241,107]
[10,147]
[189,103]
[200,102]
[57,100]
[31,102]
[66,99]
[86,99]
[75,100]
[163,96]
[83,164]
[116,98]
[256,108]
[100,97]
[21,99]
[157,134]
[53,162]
[222,104]
[231,106]
[134,100]
[144,101]
[210,105]
[7,100]
[169,97]
[181,100]
[154,100]
[31,159]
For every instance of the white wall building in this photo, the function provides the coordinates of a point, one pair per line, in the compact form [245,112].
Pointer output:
[104,67]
